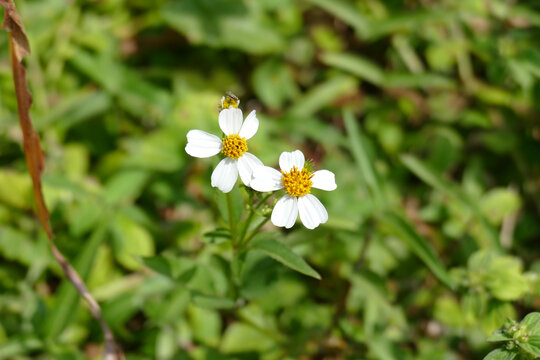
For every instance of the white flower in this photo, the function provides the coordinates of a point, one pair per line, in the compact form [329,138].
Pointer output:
[202,144]
[297,182]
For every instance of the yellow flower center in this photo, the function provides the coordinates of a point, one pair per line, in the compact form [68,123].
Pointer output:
[297,183]
[234,146]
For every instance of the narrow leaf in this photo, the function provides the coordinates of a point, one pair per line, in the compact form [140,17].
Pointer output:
[362,158]
[213,302]
[321,95]
[356,65]
[398,224]
[348,13]
[371,72]
[284,255]
[430,177]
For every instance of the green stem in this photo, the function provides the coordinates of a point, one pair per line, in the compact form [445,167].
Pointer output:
[235,279]
[256,230]
[232,223]
[263,200]
[246,226]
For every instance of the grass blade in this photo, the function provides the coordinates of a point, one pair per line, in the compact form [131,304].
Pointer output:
[399,225]
[362,158]
[435,180]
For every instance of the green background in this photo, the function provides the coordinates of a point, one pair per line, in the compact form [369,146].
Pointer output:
[426,111]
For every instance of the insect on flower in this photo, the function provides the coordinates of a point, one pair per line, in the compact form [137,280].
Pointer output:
[237,161]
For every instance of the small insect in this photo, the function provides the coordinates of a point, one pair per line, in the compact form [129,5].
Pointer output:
[229,100]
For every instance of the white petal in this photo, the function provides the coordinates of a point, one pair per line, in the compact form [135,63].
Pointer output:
[324,180]
[225,175]
[246,165]
[312,212]
[266,178]
[202,144]
[285,212]
[250,126]
[289,159]
[230,120]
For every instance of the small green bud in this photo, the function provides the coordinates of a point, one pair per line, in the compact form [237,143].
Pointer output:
[266,211]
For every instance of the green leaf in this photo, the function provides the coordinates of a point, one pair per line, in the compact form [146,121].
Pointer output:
[348,13]
[506,280]
[422,81]
[530,340]
[384,349]
[217,236]
[213,302]
[532,345]
[19,346]
[409,21]
[435,180]
[15,245]
[532,323]
[76,109]
[15,189]
[130,240]
[448,311]
[362,157]
[502,275]
[165,343]
[371,72]
[158,151]
[494,314]
[136,95]
[237,204]
[498,336]
[498,203]
[67,298]
[206,325]
[222,23]
[84,217]
[501,354]
[180,269]
[372,29]
[240,337]
[159,264]
[398,224]
[125,186]
[356,65]
[274,83]
[284,255]
[321,95]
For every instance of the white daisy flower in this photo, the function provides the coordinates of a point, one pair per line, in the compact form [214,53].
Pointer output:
[237,161]
[297,182]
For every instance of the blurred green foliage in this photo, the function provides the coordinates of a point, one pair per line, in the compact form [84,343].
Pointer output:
[426,111]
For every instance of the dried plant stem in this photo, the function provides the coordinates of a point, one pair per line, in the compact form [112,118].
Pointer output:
[19,47]
[112,351]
